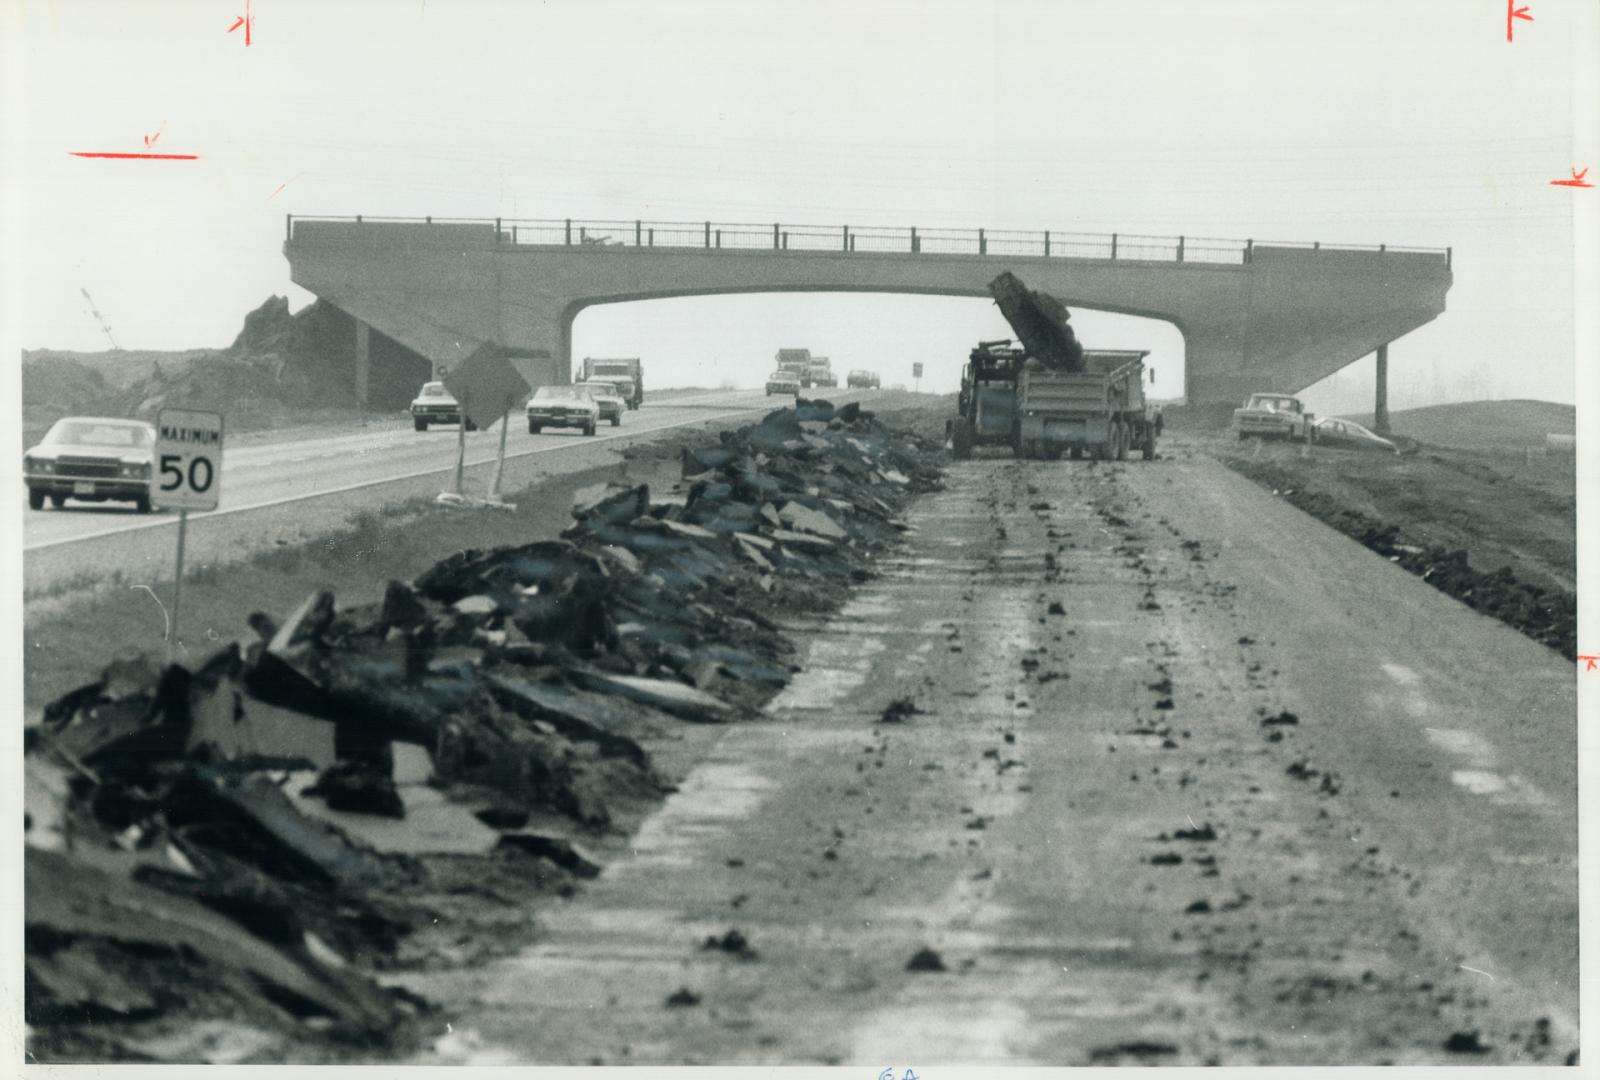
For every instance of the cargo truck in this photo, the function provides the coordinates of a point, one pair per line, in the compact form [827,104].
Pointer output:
[1099,410]
[797,361]
[1050,396]
[627,375]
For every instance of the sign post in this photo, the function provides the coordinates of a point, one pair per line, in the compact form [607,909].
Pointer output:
[188,458]
[500,461]
[487,385]
[461,449]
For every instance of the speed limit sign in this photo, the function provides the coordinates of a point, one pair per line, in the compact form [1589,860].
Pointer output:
[188,473]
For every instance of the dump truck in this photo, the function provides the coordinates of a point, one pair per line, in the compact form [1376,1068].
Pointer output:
[797,361]
[1099,409]
[1050,395]
[626,374]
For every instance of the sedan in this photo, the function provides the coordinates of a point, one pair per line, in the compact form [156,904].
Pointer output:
[783,382]
[94,459]
[608,397]
[563,406]
[435,405]
[1349,434]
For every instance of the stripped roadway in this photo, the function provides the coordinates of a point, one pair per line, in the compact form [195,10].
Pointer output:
[1249,795]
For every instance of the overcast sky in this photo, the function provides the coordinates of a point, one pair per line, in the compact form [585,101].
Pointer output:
[1407,122]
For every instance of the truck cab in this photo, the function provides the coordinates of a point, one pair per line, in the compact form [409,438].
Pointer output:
[1274,416]
[626,375]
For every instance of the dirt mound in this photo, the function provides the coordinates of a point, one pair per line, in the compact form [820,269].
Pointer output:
[1483,425]
[281,368]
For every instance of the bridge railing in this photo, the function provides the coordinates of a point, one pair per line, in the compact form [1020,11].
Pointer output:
[571,232]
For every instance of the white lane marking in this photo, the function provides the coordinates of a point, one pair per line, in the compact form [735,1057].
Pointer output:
[1465,743]
[1478,781]
[432,471]
[1401,674]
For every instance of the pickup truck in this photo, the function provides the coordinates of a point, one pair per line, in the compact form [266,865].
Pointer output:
[1274,416]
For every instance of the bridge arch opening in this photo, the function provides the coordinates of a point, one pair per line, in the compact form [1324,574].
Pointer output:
[729,340]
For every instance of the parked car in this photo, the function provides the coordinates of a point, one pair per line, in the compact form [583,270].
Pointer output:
[609,397]
[93,459]
[866,380]
[563,406]
[1348,433]
[1274,416]
[435,405]
[783,382]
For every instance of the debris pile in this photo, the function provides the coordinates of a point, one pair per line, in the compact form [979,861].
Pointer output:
[240,840]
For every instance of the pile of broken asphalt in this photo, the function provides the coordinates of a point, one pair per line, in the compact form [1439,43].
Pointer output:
[240,842]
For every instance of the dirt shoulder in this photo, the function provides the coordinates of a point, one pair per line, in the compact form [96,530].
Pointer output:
[1496,529]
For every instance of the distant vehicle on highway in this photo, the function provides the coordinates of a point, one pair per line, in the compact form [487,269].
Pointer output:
[627,374]
[820,372]
[91,458]
[1279,416]
[563,406]
[866,380]
[608,397]
[783,382]
[435,405]
[797,362]
[1348,433]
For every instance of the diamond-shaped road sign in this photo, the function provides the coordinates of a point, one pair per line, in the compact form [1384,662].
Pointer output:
[486,384]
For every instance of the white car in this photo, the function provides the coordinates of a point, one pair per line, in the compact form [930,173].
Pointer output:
[91,458]
[783,382]
[608,397]
[563,406]
[435,405]
[1347,433]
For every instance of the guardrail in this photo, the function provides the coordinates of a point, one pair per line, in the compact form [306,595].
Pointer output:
[911,240]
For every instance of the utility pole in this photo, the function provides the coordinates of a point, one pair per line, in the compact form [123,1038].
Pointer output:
[101,319]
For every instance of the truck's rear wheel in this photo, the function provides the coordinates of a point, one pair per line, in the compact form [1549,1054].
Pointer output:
[961,440]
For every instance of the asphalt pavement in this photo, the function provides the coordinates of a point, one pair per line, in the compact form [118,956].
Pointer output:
[293,489]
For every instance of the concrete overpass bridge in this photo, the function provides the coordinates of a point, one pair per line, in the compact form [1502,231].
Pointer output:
[1254,316]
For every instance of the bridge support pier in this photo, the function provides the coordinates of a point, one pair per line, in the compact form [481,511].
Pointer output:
[1380,407]
[363,362]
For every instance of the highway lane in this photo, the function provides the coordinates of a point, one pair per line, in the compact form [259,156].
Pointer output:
[272,473]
